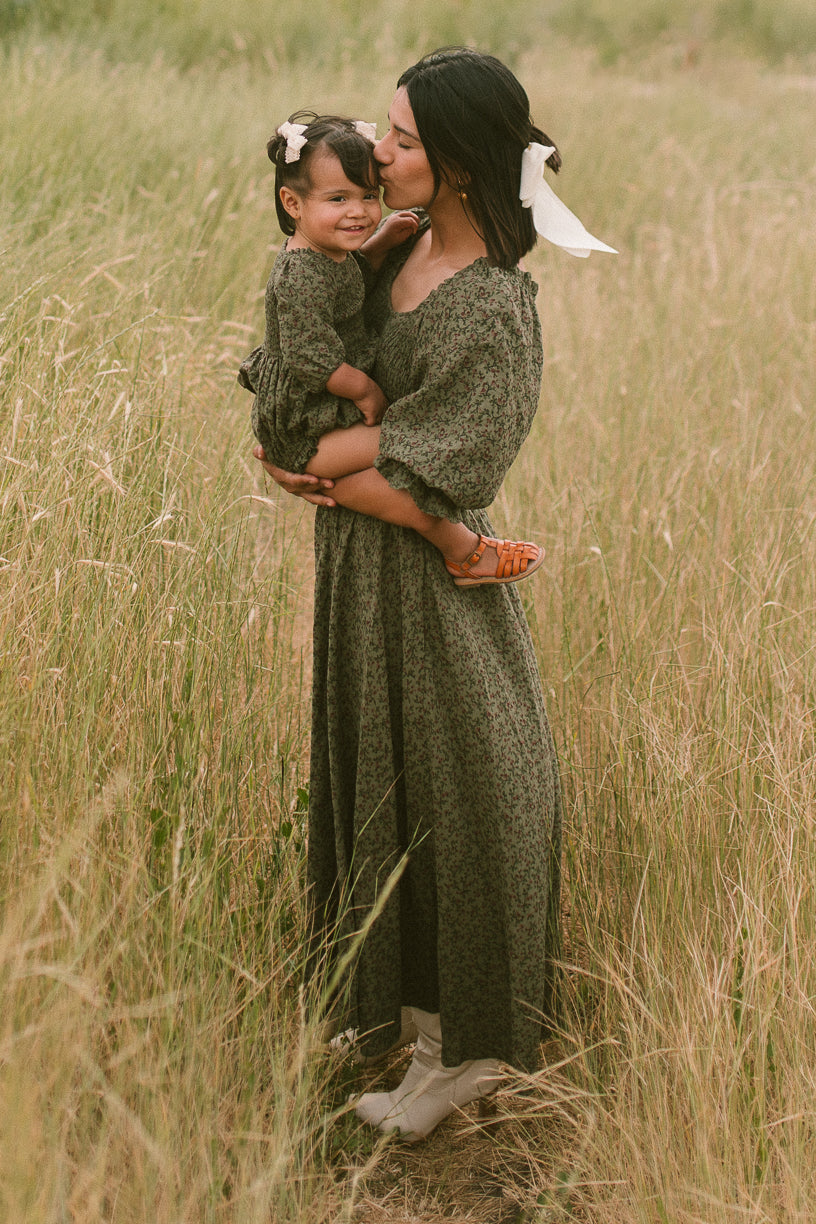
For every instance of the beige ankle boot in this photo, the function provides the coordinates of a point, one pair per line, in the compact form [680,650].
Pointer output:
[429,1091]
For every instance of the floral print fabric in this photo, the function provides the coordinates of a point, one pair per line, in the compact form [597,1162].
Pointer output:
[429,733]
[314,322]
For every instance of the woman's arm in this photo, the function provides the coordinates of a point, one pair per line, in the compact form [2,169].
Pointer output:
[451,442]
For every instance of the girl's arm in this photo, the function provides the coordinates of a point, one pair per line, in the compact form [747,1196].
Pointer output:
[350,383]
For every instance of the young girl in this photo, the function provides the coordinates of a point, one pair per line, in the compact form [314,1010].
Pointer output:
[316,409]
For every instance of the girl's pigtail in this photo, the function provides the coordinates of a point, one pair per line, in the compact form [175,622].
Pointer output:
[275,149]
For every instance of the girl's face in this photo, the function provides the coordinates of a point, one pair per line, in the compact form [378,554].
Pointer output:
[405,172]
[334,216]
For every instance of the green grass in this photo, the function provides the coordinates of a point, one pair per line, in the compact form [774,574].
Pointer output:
[157,1061]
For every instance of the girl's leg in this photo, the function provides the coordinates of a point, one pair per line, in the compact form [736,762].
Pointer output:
[347,455]
[370,493]
[344,451]
[471,559]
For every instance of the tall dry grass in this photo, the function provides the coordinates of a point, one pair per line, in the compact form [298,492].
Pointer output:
[673,478]
[156,1059]
[331,32]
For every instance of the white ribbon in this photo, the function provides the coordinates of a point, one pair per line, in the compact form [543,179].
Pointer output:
[369,130]
[551,217]
[295,140]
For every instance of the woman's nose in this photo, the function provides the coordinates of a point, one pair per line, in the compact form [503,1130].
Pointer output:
[381,151]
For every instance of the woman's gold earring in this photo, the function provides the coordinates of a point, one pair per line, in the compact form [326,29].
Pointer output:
[462,194]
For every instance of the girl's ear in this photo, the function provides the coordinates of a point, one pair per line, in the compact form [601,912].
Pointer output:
[290,202]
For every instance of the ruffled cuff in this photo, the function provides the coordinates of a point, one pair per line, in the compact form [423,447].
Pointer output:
[248,370]
[430,500]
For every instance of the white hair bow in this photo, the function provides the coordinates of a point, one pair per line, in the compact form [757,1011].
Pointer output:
[295,140]
[551,217]
[369,130]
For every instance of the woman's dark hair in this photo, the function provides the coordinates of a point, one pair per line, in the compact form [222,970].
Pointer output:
[340,136]
[473,118]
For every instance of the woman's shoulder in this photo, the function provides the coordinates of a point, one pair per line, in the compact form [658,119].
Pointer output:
[486,296]
[481,315]
[501,282]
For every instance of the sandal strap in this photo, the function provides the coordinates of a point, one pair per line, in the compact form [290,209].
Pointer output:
[461,569]
[514,557]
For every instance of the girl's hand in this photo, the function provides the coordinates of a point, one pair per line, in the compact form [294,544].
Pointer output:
[399,226]
[372,405]
[310,488]
[394,230]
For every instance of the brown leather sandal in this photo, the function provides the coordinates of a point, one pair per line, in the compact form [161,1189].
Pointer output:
[517,559]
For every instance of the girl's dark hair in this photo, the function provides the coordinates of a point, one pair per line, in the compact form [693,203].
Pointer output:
[333,132]
[473,118]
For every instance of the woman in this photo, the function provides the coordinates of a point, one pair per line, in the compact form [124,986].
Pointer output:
[429,733]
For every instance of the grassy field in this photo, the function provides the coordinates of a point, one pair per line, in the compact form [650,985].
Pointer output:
[156,1062]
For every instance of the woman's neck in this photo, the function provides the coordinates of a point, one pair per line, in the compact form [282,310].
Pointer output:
[454,240]
[449,245]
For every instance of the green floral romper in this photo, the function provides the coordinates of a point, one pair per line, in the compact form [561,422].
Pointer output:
[314,322]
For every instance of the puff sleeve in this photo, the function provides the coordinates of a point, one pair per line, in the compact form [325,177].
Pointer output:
[476,366]
[306,296]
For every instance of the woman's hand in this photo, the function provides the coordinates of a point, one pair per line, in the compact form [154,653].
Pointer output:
[310,488]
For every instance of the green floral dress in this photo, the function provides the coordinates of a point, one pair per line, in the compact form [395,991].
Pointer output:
[429,733]
[314,322]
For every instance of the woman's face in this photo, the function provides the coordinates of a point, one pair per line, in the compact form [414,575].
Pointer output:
[405,172]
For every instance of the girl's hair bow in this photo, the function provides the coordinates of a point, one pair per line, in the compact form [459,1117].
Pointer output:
[369,130]
[295,140]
